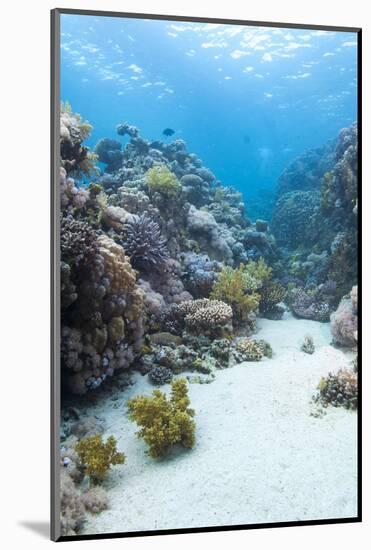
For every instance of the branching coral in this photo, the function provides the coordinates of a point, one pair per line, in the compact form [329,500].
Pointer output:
[97,456]
[164,421]
[160,180]
[270,295]
[205,315]
[339,389]
[143,242]
[231,287]
[78,241]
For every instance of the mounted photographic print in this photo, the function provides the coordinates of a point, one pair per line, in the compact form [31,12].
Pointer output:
[205,246]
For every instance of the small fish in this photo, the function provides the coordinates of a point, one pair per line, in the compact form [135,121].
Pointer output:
[168,132]
[246,139]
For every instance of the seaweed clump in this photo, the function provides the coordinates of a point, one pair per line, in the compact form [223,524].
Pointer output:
[160,180]
[164,421]
[98,456]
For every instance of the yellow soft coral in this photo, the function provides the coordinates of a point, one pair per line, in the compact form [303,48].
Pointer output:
[164,421]
[97,456]
[160,179]
[259,270]
[231,287]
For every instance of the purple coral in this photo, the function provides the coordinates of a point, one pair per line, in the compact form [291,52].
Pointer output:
[144,244]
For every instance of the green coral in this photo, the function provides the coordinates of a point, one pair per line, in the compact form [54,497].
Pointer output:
[97,456]
[233,288]
[164,421]
[159,179]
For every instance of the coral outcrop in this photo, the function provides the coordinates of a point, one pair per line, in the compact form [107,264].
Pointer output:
[339,389]
[344,321]
[315,215]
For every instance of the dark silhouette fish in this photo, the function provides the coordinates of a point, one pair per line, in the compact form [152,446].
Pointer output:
[246,139]
[168,132]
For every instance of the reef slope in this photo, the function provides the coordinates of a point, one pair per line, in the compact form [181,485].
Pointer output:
[260,454]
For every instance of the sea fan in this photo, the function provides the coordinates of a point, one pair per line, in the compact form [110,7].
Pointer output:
[143,242]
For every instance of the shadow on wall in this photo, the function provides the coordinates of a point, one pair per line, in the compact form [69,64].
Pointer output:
[41,528]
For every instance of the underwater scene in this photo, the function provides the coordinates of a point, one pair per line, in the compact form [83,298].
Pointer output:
[208,275]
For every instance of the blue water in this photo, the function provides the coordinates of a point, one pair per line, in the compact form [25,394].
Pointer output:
[247,100]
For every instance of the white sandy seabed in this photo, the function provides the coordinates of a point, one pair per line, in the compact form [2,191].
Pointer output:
[260,456]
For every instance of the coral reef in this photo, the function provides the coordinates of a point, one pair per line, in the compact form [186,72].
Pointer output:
[102,329]
[315,215]
[98,456]
[339,389]
[344,322]
[309,303]
[163,421]
[109,152]
[71,196]
[76,158]
[162,269]
[199,273]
